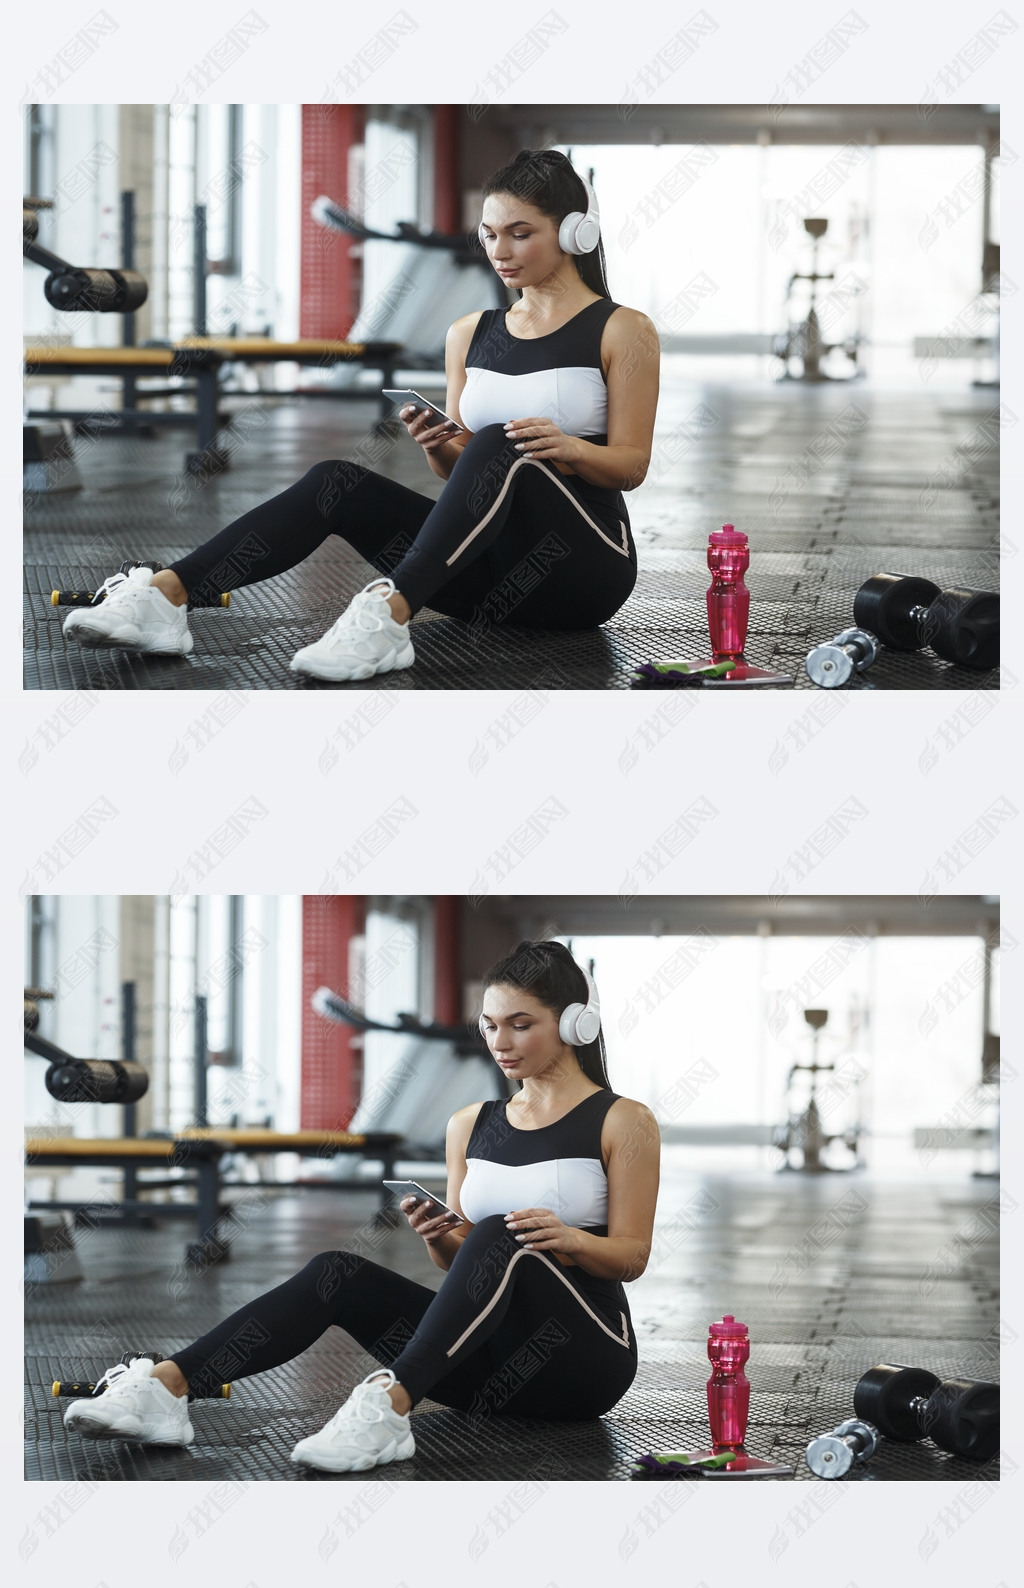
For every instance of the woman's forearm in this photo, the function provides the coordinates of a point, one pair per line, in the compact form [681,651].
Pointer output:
[443,459]
[617,468]
[619,1257]
[444,1249]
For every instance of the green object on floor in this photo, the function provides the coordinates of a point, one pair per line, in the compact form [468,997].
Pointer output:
[705,669]
[672,1460]
[676,675]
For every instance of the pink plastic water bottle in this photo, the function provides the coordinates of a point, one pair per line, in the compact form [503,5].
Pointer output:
[728,1386]
[728,597]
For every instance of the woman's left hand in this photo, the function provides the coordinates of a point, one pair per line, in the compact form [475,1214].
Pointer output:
[541,438]
[540,1230]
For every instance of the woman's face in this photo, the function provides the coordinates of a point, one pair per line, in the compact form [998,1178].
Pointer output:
[521,243]
[521,1033]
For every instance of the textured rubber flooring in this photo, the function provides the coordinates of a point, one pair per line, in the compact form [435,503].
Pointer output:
[831,483]
[832,1274]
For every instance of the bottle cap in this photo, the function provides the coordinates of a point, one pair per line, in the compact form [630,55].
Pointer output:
[727,536]
[728,1325]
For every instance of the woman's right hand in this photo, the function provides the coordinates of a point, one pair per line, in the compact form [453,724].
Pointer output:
[425,1221]
[417,422]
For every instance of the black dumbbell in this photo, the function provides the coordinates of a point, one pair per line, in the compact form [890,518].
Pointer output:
[62,1389]
[909,1403]
[87,598]
[831,664]
[832,1455]
[907,613]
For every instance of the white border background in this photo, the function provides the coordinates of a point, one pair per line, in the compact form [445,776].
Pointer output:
[918,832]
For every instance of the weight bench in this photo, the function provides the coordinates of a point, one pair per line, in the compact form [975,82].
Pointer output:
[201,358]
[200,1150]
[317,352]
[202,365]
[308,1143]
[321,352]
[134,1153]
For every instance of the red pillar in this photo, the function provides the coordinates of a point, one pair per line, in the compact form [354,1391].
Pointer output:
[330,278]
[447,945]
[332,1066]
[447,176]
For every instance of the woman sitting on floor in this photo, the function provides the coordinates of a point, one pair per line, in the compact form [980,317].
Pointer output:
[556,1192]
[556,398]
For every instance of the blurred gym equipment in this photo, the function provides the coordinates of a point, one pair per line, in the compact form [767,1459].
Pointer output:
[197,1148]
[194,364]
[441,1068]
[803,339]
[804,1131]
[438,277]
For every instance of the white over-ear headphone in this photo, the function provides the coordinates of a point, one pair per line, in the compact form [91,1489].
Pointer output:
[579,233]
[578,1024]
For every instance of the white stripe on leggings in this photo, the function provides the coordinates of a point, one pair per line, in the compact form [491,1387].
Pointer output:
[555,1268]
[537,464]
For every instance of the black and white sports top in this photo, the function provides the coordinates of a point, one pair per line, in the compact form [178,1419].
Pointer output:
[557,1166]
[557,376]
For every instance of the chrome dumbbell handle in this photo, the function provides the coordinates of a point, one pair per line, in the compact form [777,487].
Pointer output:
[832,1455]
[833,663]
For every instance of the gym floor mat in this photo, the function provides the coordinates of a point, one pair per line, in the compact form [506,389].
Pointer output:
[831,483]
[905,1271]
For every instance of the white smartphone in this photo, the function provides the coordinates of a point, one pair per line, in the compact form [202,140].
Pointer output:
[437,415]
[407,1188]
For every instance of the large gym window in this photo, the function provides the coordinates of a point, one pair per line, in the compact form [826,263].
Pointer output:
[904,240]
[39,133]
[904,1029]
[221,185]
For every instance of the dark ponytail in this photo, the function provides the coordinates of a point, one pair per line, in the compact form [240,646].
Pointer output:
[548,180]
[547,971]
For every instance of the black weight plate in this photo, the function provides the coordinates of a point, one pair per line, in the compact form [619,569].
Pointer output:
[884,1394]
[963,1418]
[883,605]
[963,626]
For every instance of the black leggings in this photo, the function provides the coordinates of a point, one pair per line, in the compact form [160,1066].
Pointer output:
[509,540]
[509,1331]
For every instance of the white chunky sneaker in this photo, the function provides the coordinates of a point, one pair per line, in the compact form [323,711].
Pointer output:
[134,1405]
[366,1432]
[133,615]
[365,640]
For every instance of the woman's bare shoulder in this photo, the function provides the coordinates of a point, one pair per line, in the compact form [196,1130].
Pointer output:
[461,330]
[629,325]
[626,1116]
[463,1119]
